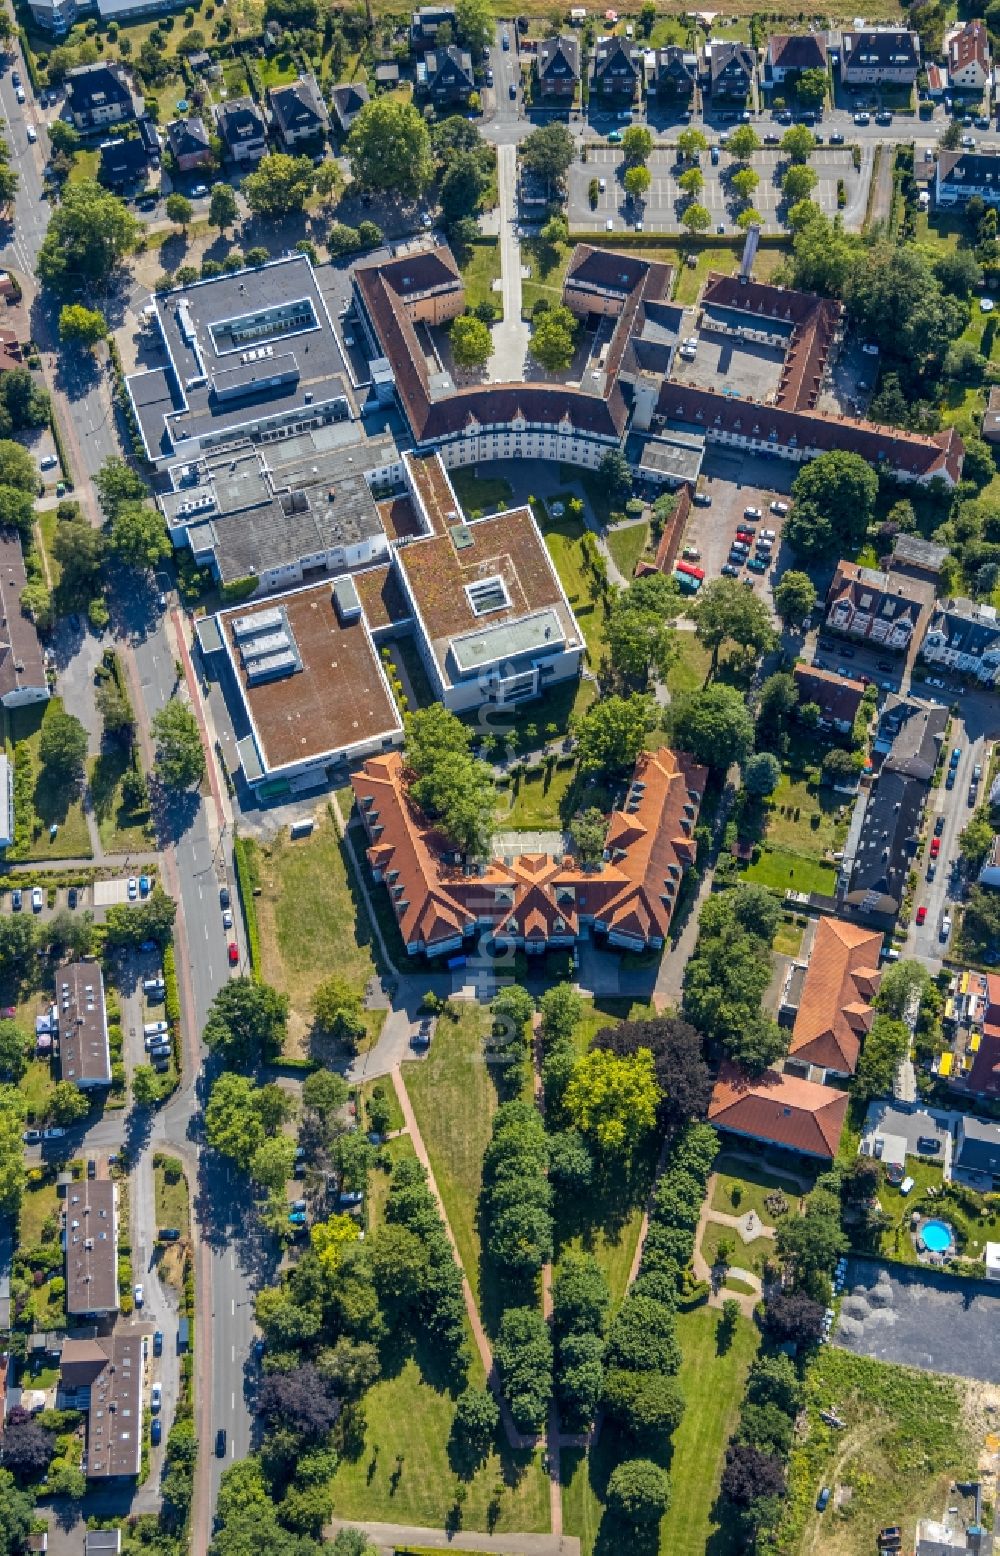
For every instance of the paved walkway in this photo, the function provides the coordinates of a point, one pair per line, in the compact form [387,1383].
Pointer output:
[388,1537]
[510,336]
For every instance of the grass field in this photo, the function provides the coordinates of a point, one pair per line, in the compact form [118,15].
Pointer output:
[627,543]
[690,669]
[725,258]
[47,525]
[538,801]
[788,939]
[547,266]
[38,1203]
[403,1475]
[744,1256]
[478,493]
[311,924]
[171,1199]
[905,1442]
[564,539]
[713,1387]
[753,1184]
[480,268]
[398,1150]
[36,1087]
[122,831]
[454,1096]
[51,806]
[396,1120]
[792,872]
[806,819]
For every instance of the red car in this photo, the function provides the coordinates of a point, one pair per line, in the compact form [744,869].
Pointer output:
[921,915]
[234,953]
[935,847]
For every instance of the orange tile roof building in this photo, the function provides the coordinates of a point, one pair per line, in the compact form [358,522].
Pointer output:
[835,1011]
[780,1109]
[536,901]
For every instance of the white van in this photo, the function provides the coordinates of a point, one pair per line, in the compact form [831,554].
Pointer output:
[155,1029]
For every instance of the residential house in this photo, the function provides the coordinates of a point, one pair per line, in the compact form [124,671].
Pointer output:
[98,95]
[676,71]
[22,661]
[91,1242]
[866,603]
[879,56]
[617,68]
[835,1010]
[425,22]
[84,1053]
[837,697]
[937,81]
[123,163]
[976,1157]
[347,101]
[449,76]
[731,69]
[189,142]
[882,843]
[242,130]
[789,54]
[558,65]
[386,76]
[536,901]
[298,112]
[961,174]
[779,1110]
[969,64]
[983,1079]
[103,1542]
[964,635]
[104,1378]
[991,416]
[917,558]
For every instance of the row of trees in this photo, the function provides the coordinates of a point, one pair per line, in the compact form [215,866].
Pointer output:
[726,977]
[450,786]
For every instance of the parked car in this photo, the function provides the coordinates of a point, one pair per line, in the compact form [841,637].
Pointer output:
[91,1168]
[702,499]
[32,1136]
[36,899]
[836,139]
[224,898]
[15,900]
[932,869]
[155,1431]
[949,781]
[779,507]
[227,919]
[158,1342]
[862,118]
[297,1217]
[757,564]
[138,1294]
[729,571]
[752,513]
[55,1132]
[945,928]
[921,914]
[144,885]
[956,756]
[935,847]
[938,826]
[823,1500]
[233,952]
[930,1145]
[155,1397]
[169,1234]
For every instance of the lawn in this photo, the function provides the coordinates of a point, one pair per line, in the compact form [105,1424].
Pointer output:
[547,266]
[38,1203]
[974,1231]
[904,1444]
[397,1150]
[564,538]
[36,1087]
[689,670]
[396,1119]
[752,1184]
[122,831]
[403,1475]
[312,924]
[480,268]
[713,1387]
[743,1256]
[788,938]
[626,543]
[51,804]
[479,493]
[171,1198]
[454,1096]
[539,800]
[725,258]
[47,526]
[792,872]
[804,818]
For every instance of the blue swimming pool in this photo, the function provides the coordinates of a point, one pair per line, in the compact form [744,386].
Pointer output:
[937,1235]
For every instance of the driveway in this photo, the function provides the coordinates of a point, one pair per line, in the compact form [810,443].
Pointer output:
[919,1318]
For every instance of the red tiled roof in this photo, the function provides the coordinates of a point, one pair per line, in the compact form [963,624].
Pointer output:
[835,1008]
[781,1110]
[535,895]
[797,51]
[836,696]
[969,44]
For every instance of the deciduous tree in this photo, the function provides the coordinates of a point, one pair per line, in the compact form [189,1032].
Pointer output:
[715,726]
[612,1100]
[84,326]
[281,185]
[389,147]
[794,597]
[180,755]
[90,233]
[611,734]
[247,1023]
[638,1492]
[471,341]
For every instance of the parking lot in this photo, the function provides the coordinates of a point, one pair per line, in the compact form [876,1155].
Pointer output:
[663,203]
[735,480]
[920,1318]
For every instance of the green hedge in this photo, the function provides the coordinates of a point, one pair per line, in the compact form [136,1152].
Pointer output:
[246,880]
[61,454]
[172,1003]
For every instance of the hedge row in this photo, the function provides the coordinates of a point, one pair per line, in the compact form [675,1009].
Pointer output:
[61,454]
[246,881]
[172,1003]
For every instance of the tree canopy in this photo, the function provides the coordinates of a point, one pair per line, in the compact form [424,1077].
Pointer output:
[835,498]
[246,1023]
[62,745]
[548,151]
[448,783]
[727,612]
[612,1099]
[90,233]
[794,597]
[279,186]
[389,147]
[611,734]
[714,725]
[180,755]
